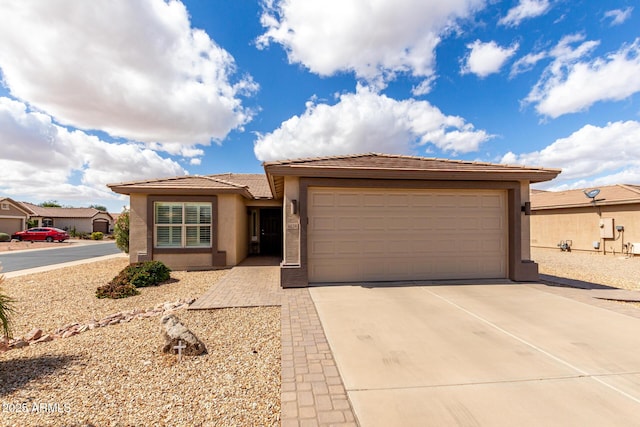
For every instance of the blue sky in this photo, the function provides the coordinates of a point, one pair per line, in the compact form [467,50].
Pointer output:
[124,90]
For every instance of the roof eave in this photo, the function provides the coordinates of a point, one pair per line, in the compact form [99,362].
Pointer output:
[586,204]
[126,190]
[532,175]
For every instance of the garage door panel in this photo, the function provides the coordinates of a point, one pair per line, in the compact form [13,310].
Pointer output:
[387,234]
[348,223]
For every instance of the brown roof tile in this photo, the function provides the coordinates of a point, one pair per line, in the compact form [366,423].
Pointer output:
[250,185]
[256,183]
[391,166]
[62,212]
[373,161]
[394,161]
[609,195]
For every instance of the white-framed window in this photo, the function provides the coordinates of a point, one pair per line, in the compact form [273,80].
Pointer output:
[5,206]
[182,225]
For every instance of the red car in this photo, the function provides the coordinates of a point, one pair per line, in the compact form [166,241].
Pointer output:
[48,234]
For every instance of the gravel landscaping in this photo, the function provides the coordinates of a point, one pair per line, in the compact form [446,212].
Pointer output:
[617,271]
[116,375]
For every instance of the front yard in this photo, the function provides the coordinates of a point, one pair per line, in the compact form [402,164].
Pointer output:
[116,375]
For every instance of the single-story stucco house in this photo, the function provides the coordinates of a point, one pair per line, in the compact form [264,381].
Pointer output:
[83,220]
[13,216]
[353,218]
[609,222]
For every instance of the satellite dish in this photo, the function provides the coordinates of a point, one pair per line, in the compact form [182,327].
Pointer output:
[592,193]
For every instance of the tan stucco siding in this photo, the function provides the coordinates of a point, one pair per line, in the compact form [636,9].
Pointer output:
[81,225]
[525,230]
[232,227]
[185,261]
[582,227]
[137,226]
[291,226]
[12,211]
[242,230]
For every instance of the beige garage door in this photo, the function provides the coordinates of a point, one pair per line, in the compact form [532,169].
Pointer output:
[10,225]
[387,234]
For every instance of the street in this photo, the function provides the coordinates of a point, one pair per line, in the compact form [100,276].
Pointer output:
[42,257]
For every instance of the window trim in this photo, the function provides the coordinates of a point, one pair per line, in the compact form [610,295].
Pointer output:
[5,206]
[218,258]
[184,225]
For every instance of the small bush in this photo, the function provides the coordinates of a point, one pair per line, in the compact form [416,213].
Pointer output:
[113,290]
[97,235]
[4,237]
[137,275]
[6,311]
[121,231]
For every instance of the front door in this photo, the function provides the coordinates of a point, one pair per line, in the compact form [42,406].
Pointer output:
[271,232]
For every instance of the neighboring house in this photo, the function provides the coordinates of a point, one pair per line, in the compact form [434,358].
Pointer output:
[13,216]
[607,223]
[370,217]
[82,220]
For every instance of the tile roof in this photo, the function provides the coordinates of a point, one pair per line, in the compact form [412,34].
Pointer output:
[257,183]
[392,166]
[399,162]
[62,212]
[618,194]
[251,185]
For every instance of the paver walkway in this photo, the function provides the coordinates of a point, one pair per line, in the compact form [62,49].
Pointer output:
[312,391]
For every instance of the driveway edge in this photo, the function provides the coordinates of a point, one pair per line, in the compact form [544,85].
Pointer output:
[312,392]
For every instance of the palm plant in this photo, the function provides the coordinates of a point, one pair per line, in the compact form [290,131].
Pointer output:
[6,310]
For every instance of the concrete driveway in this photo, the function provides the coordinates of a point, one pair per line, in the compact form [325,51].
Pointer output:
[481,355]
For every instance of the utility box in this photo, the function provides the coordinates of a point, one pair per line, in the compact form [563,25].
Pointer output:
[606,228]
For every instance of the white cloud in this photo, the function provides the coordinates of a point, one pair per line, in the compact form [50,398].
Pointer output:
[486,58]
[375,40]
[366,121]
[524,10]
[41,160]
[134,69]
[618,16]
[526,63]
[569,85]
[590,156]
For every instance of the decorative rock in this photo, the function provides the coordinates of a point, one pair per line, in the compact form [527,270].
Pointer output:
[18,344]
[173,332]
[33,335]
[69,333]
[71,329]
[44,338]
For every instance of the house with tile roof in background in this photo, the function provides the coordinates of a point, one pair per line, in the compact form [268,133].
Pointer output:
[353,218]
[82,220]
[13,215]
[607,223]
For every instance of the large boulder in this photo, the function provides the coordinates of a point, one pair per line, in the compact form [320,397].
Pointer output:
[174,333]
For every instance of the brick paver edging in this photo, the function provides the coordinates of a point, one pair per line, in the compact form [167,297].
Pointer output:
[312,392]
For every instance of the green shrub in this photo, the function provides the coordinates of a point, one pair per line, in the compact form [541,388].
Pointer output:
[113,290]
[136,275]
[4,237]
[121,232]
[97,235]
[6,310]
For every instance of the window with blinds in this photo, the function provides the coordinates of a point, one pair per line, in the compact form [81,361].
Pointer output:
[182,225]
